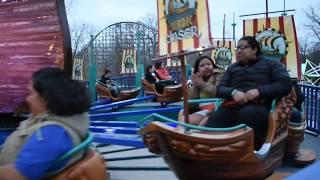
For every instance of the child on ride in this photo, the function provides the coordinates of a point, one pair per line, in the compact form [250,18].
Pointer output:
[205,78]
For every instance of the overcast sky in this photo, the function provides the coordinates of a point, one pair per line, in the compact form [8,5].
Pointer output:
[101,13]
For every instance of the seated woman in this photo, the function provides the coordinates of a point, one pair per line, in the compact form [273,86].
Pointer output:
[107,82]
[163,74]
[161,71]
[58,121]
[205,79]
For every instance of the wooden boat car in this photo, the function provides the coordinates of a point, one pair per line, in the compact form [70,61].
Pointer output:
[222,153]
[104,92]
[171,93]
[34,34]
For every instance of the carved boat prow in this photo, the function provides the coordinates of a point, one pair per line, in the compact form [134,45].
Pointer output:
[213,155]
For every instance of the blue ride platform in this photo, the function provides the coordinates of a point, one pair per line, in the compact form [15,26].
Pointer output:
[119,123]
[100,106]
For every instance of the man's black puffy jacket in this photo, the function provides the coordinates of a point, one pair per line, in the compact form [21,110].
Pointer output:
[268,76]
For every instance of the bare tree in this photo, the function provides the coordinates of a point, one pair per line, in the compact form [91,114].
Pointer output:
[79,31]
[69,4]
[150,20]
[303,47]
[313,24]
[80,36]
[311,47]
[314,54]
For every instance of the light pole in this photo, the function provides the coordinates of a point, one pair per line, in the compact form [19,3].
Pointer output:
[284,8]
[234,29]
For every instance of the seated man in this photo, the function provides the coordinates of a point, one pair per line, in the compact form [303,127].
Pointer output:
[250,85]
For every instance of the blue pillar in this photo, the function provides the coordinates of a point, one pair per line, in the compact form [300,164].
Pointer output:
[140,66]
[92,71]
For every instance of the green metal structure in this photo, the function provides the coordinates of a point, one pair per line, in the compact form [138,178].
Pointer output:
[105,51]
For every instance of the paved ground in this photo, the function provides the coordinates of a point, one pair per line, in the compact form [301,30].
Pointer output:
[162,173]
[154,162]
[310,142]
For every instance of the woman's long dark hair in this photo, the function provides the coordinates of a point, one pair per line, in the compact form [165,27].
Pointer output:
[63,95]
[197,62]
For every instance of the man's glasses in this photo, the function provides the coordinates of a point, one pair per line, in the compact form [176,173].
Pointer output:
[238,48]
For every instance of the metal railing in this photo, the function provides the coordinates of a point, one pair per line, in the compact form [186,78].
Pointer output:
[125,81]
[312,106]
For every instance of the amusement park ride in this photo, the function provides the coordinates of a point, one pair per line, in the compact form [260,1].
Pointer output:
[228,153]
[192,152]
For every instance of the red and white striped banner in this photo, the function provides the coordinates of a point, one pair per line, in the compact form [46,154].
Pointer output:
[278,39]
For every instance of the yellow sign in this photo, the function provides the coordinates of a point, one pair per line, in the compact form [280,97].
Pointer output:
[77,69]
[224,53]
[183,25]
[129,61]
